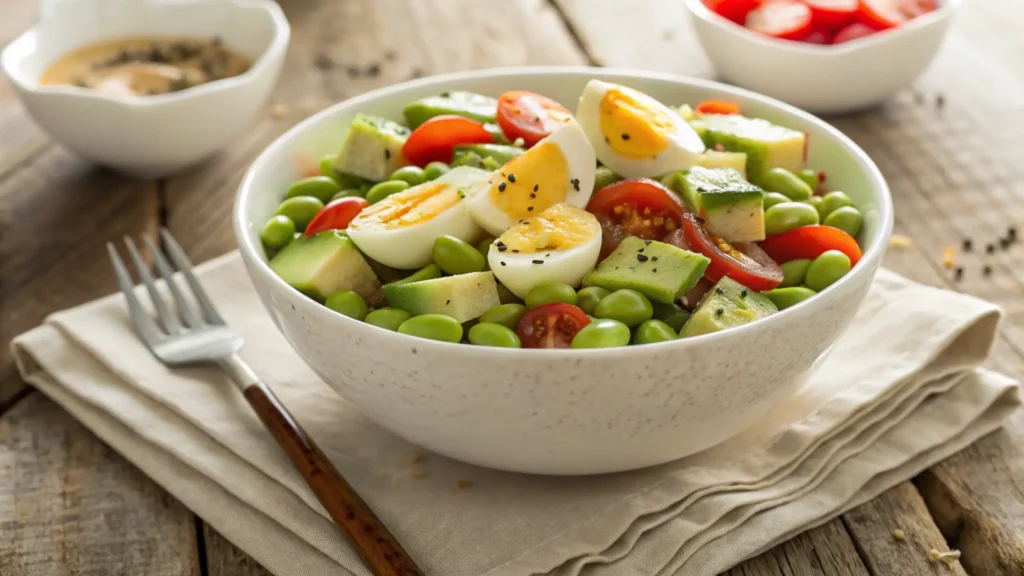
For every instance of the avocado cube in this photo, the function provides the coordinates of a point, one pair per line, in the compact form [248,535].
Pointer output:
[660,271]
[715,159]
[323,264]
[372,148]
[732,207]
[476,106]
[726,305]
[766,145]
[463,296]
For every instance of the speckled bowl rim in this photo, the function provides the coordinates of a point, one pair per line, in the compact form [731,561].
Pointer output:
[869,262]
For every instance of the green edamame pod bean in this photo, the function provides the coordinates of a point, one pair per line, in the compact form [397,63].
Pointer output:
[588,298]
[387,318]
[826,269]
[491,334]
[671,314]
[300,210]
[277,232]
[435,170]
[508,315]
[789,216]
[810,177]
[815,202]
[833,201]
[602,333]
[785,297]
[428,272]
[347,193]
[414,175]
[456,256]
[351,181]
[323,188]
[794,272]
[627,306]
[550,292]
[327,166]
[786,183]
[773,198]
[348,303]
[848,219]
[484,246]
[603,177]
[505,296]
[433,327]
[652,332]
[382,190]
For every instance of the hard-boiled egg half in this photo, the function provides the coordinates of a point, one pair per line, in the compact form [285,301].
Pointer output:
[399,231]
[633,134]
[559,168]
[560,244]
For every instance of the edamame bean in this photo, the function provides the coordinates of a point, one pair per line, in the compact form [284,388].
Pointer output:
[786,183]
[456,256]
[815,202]
[671,314]
[773,198]
[347,193]
[833,201]
[794,272]
[433,327]
[505,296]
[603,177]
[491,334]
[627,306]
[435,170]
[428,272]
[826,269]
[788,216]
[300,210]
[352,181]
[810,177]
[327,166]
[785,297]
[508,315]
[412,174]
[484,246]
[588,298]
[652,332]
[323,188]
[348,303]
[602,333]
[550,292]
[382,190]
[277,232]
[387,318]
[848,219]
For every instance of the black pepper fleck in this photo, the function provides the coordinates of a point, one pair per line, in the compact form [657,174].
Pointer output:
[719,312]
[501,187]
[512,178]
[655,270]
[743,293]
[654,258]
[575,184]
[641,257]
[719,291]
[538,261]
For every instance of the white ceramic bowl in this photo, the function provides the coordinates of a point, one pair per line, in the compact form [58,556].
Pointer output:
[150,136]
[822,79]
[562,411]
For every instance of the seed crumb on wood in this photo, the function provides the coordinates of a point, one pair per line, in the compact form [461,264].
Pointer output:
[462,484]
[278,111]
[417,472]
[900,241]
[950,557]
[898,534]
[416,458]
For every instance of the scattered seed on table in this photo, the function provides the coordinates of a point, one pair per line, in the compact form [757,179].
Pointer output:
[990,248]
[416,458]
[986,271]
[900,241]
[898,534]
[417,472]
[949,557]
[959,273]
[948,256]
[460,484]
[278,111]
[940,101]
[968,245]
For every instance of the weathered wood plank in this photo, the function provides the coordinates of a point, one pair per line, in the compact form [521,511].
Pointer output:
[823,551]
[223,559]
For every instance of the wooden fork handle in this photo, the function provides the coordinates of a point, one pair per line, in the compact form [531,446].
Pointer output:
[377,546]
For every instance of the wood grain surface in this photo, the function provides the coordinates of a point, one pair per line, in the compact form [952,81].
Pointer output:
[949,147]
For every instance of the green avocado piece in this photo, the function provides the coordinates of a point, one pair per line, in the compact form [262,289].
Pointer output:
[766,145]
[732,207]
[323,264]
[476,106]
[463,296]
[657,270]
[726,305]
[372,148]
[500,153]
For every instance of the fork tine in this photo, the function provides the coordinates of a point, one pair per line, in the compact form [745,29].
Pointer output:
[185,267]
[143,322]
[188,311]
[169,320]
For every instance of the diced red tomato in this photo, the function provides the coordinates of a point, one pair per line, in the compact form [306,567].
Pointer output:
[551,325]
[750,266]
[883,14]
[853,32]
[832,14]
[640,207]
[810,242]
[821,36]
[336,215]
[785,19]
[529,116]
[735,10]
[434,139]
[718,107]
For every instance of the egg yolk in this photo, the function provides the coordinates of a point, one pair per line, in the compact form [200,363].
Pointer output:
[531,182]
[560,227]
[413,206]
[634,124]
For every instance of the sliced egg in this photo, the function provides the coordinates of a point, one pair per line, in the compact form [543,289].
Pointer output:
[633,134]
[399,231]
[561,244]
[559,168]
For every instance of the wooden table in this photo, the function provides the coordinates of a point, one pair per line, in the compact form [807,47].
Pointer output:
[950,148]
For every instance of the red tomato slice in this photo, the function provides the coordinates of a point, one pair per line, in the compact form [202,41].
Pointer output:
[821,36]
[785,19]
[717,107]
[810,242]
[750,267]
[435,138]
[882,14]
[336,215]
[832,14]
[640,207]
[853,32]
[529,116]
[735,10]
[551,325]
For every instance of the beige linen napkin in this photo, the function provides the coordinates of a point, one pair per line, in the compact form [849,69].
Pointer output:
[900,391]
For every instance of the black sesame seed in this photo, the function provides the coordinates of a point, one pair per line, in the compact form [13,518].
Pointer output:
[502,263]
[987,271]
[641,257]
[515,251]
[535,187]
[529,208]
[990,248]
[538,261]
[512,178]
[501,187]
[548,255]
[536,119]
[641,250]
[606,140]
[699,219]
[647,242]
[387,154]
[654,258]
[1004,243]
[625,136]
[958,274]
[447,302]
[502,247]
[373,70]
[968,245]
[655,270]
[743,293]
[719,312]
[719,291]
[575,184]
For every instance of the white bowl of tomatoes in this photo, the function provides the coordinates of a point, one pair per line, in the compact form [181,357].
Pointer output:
[825,56]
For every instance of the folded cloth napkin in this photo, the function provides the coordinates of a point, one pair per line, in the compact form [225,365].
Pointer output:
[901,390]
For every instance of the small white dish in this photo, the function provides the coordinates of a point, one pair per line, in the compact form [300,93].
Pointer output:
[149,136]
[823,79]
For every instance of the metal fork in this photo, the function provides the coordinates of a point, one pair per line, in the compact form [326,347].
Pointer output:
[199,334]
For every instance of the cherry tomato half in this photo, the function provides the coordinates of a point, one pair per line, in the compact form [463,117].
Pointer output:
[735,10]
[336,215]
[832,14]
[785,19]
[717,107]
[551,325]
[434,139]
[529,116]
[750,266]
[852,32]
[882,14]
[640,207]
[810,242]
[822,36]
